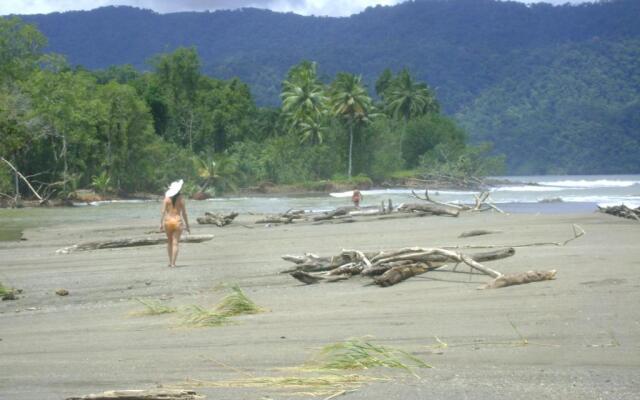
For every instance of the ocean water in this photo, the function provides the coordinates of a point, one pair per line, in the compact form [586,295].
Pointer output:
[524,194]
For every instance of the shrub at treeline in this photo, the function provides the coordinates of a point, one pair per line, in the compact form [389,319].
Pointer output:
[122,131]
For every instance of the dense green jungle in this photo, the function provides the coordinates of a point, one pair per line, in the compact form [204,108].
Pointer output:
[241,98]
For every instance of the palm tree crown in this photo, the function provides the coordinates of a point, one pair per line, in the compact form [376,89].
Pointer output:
[406,98]
[303,98]
[351,102]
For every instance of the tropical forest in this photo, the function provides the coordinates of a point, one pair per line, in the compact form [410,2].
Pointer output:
[123,132]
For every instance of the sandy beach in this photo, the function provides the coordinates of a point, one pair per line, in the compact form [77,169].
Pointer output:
[576,337]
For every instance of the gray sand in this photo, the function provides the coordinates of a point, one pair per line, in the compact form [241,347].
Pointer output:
[583,329]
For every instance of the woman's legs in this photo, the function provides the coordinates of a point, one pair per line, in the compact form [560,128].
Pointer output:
[175,241]
[170,246]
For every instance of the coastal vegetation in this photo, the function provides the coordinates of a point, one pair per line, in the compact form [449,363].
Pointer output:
[554,88]
[121,131]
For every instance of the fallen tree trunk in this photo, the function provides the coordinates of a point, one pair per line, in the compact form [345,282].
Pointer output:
[25,180]
[429,209]
[520,278]
[155,394]
[130,242]
[217,219]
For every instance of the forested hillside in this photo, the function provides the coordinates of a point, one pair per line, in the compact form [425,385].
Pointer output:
[554,87]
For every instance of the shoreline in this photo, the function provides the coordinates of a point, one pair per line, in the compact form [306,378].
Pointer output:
[580,329]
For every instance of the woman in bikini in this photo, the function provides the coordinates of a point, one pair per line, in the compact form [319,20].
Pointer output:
[174,214]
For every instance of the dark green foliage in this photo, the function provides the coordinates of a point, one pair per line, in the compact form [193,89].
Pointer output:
[20,49]
[425,133]
[570,109]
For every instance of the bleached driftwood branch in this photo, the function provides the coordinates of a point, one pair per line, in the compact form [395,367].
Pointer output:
[155,394]
[130,242]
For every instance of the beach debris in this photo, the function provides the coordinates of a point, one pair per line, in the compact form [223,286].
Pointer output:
[433,209]
[482,202]
[7,293]
[577,233]
[337,369]
[520,278]
[153,394]
[286,217]
[130,242]
[9,296]
[338,212]
[362,353]
[217,219]
[477,232]
[234,304]
[391,267]
[62,292]
[622,211]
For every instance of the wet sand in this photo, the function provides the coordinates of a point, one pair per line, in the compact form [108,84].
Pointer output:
[582,330]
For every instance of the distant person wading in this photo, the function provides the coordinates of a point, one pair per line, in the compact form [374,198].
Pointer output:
[174,215]
[356,197]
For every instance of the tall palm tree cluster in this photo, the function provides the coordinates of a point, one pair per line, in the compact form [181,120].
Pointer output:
[310,106]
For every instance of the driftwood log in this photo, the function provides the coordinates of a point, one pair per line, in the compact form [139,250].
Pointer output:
[332,214]
[284,218]
[130,242]
[400,273]
[217,219]
[158,394]
[520,278]
[433,209]
[622,211]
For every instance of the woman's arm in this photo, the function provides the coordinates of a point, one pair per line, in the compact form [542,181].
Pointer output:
[184,214]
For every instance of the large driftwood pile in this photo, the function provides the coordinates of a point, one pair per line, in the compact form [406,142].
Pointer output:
[388,268]
[482,202]
[217,219]
[130,242]
[156,394]
[622,211]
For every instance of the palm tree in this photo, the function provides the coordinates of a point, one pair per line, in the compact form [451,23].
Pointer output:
[405,98]
[350,102]
[221,174]
[312,129]
[303,97]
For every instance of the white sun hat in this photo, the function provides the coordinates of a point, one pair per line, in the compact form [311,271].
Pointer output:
[174,188]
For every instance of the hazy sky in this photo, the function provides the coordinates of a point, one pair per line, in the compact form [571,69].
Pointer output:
[305,7]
